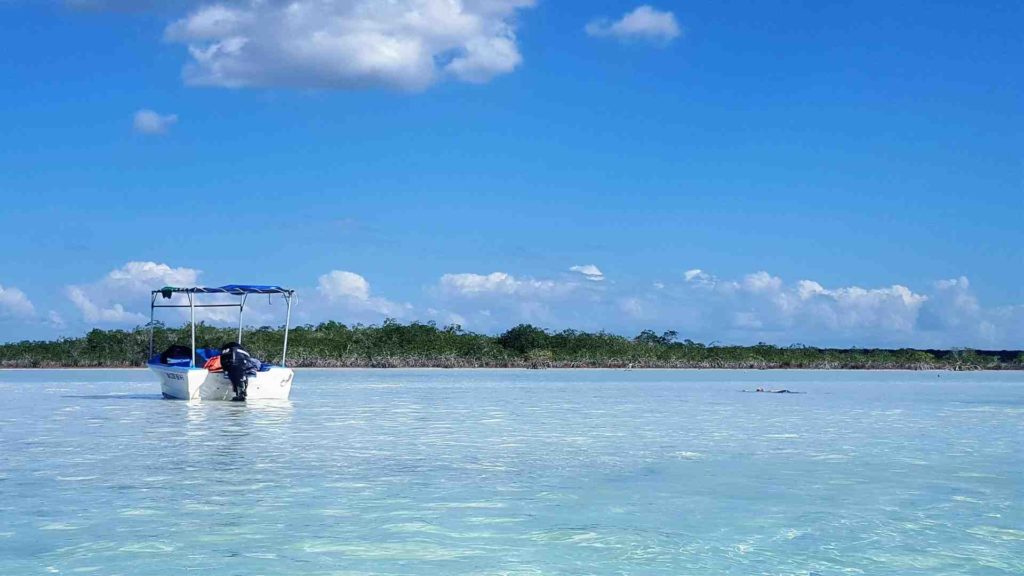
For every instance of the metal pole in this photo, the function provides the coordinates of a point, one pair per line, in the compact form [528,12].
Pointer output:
[240,308]
[287,321]
[192,312]
[152,311]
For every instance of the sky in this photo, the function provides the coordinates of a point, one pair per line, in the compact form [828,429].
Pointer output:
[834,174]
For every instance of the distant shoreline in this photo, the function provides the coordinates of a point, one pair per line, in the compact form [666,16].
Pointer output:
[556,368]
[416,345]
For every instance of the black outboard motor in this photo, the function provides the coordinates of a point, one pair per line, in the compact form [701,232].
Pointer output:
[239,366]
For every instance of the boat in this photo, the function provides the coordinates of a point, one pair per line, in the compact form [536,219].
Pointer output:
[181,372]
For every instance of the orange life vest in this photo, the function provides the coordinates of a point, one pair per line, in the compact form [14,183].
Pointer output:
[213,364]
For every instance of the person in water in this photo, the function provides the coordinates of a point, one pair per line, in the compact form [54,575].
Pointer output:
[782,391]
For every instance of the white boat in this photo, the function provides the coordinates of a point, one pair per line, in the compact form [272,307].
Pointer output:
[186,383]
[181,378]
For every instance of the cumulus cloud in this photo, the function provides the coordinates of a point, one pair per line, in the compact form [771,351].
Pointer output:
[404,44]
[15,304]
[501,284]
[763,306]
[643,23]
[894,308]
[119,296]
[498,300]
[149,275]
[762,282]
[763,302]
[352,291]
[91,312]
[340,284]
[152,123]
[953,308]
[589,271]
[758,306]
[953,305]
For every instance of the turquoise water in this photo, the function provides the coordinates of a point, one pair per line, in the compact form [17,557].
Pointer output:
[516,472]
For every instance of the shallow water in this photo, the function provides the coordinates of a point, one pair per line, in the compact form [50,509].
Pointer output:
[516,472]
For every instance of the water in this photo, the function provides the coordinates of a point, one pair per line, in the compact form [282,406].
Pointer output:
[516,472]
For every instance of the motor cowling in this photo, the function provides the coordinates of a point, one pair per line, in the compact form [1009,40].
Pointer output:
[239,365]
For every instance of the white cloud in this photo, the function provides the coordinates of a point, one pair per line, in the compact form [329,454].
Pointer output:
[150,122]
[352,291]
[894,308]
[754,307]
[121,294]
[763,302]
[501,284]
[91,312]
[642,23]
[404,44]
[340,284]
[589,271]
[150,276]
[700,278]
[808,289]
[761,282]
[954,308]
[15,304]
[499,300]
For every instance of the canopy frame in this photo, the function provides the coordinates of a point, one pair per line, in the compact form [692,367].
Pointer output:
[242,291]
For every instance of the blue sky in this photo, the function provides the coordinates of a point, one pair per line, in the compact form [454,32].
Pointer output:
[846,174]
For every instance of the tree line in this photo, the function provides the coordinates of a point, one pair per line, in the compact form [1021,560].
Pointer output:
[395,345]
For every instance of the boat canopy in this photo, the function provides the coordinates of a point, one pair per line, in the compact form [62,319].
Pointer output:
[234,289]
[242,290]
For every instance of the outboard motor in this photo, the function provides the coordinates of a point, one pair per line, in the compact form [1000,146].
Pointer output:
[239,366]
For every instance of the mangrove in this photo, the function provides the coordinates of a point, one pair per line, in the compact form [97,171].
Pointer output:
[421,345]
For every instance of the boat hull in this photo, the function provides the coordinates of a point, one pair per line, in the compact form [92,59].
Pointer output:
[185,383]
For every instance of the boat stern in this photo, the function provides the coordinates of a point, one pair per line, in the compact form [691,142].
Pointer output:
[184,383]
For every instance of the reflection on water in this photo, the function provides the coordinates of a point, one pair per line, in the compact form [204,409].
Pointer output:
[115,396]
[515,472]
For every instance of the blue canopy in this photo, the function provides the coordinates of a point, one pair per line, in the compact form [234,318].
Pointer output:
[235,289]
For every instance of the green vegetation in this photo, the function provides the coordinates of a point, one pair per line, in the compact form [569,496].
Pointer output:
[394,345]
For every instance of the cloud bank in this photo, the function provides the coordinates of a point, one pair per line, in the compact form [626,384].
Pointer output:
[758,306]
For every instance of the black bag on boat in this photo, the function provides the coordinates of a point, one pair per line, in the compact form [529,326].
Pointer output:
[179,352]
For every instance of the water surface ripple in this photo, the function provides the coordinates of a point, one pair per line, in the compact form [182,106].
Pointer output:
[516,472]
